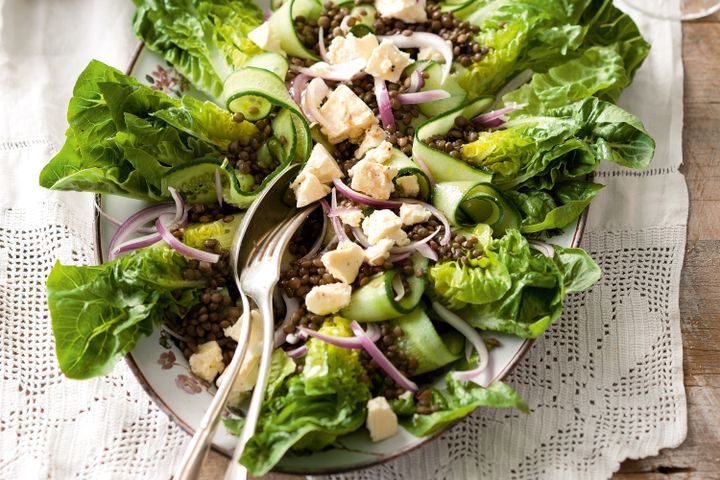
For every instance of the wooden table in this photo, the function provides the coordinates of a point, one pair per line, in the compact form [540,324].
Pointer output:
[699,457]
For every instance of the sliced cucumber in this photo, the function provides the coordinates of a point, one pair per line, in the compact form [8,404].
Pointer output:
[194,180]
[282,24]
[375,302]
[271,61]
[366,13]
[421,341]
[442,166]
[470,203]
[433,82]
[259,82]
[407,167]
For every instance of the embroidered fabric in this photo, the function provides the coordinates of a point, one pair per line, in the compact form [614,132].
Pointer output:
[604,384]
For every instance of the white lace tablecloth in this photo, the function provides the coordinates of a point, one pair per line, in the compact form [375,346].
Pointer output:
[603,385]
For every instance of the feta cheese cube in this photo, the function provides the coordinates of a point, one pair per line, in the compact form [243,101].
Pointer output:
[412,213]
[308,189]
[381,421]
[384,224]
[322,165]
[407,186]
[430,53]
[409,11]
[346,49]
[264,38]
[352,218]
[344,262]
[247,376]
[372,139]
[380,154]
[207,362]
[329,298]
[377,254]
[387,62]
[373,179]
[345,116]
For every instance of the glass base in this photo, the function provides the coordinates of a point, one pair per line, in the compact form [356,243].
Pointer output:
[673,9]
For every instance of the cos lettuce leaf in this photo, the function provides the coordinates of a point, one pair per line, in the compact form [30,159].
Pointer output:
[308,411]
[204,40]
[570,141]
[552,209]
[99,313]
[454,402]
[126,139]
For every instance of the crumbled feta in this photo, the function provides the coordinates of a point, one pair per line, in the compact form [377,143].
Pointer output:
[412,213]
[308,188]
[407,186]
[264,38]
[373,179]
[352,218]
[380,154]
[322,165]
[381,421]
[410,11]
[384,224]
[346,116]
[346,49]
[387,62]
[329,298]
[344,262]
[377,254]
[373,137]
[247,376]
[207,362]
[430,53]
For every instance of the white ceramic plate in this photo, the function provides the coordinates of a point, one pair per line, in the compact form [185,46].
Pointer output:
[165,374]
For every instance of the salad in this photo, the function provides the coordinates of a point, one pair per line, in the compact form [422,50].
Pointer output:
[445,141]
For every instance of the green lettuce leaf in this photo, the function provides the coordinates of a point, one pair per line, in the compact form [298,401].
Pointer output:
[569,141]
[551,209]
[124,137]
[454,402]
[308,411]
[204,40]
[539,284]
[99,313]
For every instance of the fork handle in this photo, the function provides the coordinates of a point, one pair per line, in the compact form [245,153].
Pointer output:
[192,461]
[235,470]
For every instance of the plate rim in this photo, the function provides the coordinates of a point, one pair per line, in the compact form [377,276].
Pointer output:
[155,397]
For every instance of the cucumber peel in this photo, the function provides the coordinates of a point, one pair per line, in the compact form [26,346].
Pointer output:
[467,203]
[421,341]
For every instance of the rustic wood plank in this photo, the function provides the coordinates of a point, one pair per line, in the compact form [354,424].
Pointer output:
[699,456]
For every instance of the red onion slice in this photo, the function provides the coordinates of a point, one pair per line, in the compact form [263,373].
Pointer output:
[181,248]
[417,81]
[542,247]
[133,222]
[312,97]
[414,245]
[473,337]
[425,169]
[318,242]
[298,87]
[297,352]
[358,197]
[384,105]
[335,222]
[426,251]
[425,40]
[321,45]
[360,236]
[354,343]
[134,244]
[381,359]
[339,72]
[117,222]
[399,257]
[218,187]
[398,288]
[490,119]
[437,214]
[422,97]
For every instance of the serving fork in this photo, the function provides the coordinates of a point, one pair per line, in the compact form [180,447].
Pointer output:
[258,246]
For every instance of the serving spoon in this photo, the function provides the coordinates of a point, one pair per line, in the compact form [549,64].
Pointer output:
[269,209]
